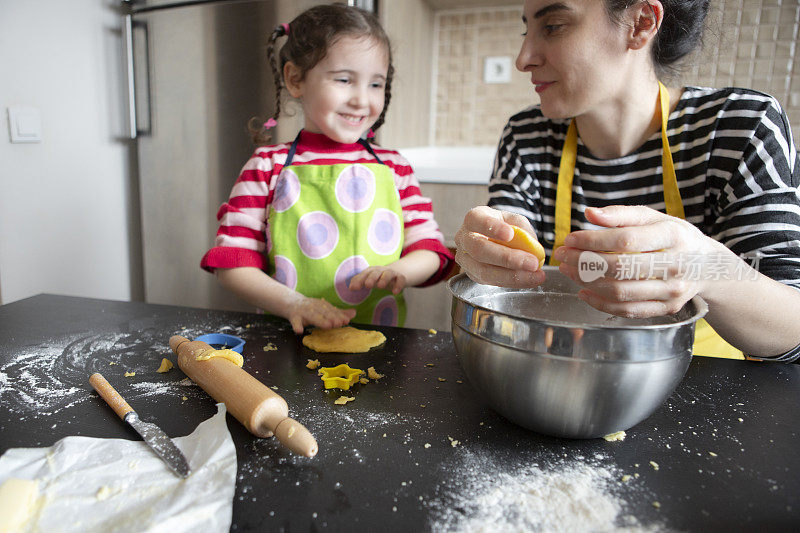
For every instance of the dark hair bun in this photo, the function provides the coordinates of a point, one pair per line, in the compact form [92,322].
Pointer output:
[681,30]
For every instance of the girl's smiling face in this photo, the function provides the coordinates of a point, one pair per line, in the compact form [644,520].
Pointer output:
[343,95]
[574,53]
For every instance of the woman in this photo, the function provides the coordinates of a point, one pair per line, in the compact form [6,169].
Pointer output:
[710,209]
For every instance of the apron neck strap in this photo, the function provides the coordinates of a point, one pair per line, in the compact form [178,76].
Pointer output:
[672,194]
[365,144]
[293,149]
[566,172]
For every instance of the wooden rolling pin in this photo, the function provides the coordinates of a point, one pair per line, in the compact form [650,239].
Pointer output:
[260,409]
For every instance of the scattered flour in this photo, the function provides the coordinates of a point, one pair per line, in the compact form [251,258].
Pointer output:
[43,379]
[568,495]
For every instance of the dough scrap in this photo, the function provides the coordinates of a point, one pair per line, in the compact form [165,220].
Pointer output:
[522,240]
[313,364]
[18,498]
[344,340]
[166,366]
[616,436]
[341,400]
[130,374]
[234,357]
[373,374]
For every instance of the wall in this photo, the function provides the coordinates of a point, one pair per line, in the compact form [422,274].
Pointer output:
[753,43]
[749,43]
[409,25]
[66,214]
[469,111]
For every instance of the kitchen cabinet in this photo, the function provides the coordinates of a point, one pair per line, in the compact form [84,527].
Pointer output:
[429,307]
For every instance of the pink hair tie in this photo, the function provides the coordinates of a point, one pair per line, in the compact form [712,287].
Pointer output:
[285,28]
[370,134]
[271,123]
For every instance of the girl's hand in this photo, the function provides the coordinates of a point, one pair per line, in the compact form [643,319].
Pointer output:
[648,255]
[490,263]
[382,277]
[304,311]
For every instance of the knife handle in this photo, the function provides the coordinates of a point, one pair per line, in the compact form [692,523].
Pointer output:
[110,395]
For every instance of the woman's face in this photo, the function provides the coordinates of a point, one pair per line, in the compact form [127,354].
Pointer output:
[575,54]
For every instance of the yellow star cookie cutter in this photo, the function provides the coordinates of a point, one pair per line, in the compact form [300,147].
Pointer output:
[339,377]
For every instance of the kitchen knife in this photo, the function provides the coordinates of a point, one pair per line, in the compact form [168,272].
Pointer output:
[152,435]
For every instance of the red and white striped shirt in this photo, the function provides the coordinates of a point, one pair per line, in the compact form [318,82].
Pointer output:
[242,233]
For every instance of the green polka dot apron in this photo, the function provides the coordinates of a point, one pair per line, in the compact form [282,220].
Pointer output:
[327,223]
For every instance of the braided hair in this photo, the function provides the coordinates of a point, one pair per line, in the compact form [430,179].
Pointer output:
[310,35]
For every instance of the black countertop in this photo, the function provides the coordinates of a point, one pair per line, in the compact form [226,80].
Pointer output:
[416,450]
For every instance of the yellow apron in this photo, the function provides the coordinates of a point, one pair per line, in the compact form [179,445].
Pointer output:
[707,342]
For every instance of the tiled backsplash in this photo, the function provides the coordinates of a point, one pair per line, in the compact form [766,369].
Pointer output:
[467,110]
[749,43]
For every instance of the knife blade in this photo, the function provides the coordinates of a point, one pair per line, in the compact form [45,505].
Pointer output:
[153,436]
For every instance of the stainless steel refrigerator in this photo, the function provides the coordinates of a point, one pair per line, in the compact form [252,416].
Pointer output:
[198,71]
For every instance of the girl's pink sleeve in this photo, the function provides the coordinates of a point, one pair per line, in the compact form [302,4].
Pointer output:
[421,232]
[241,237]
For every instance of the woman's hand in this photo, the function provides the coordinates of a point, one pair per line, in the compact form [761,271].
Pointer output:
[382,277]
[656,262]
[303,311]
[490,263]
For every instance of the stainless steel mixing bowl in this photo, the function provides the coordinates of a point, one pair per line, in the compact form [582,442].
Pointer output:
[551,363]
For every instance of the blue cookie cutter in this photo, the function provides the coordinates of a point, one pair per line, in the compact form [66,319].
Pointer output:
[222,341]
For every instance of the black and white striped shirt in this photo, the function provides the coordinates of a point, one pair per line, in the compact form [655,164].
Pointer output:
[736,164]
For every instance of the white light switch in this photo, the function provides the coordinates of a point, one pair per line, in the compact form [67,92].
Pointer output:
[25,124]
[497,69]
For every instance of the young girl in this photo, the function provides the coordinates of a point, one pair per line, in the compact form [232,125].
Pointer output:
[329,228]
[615,163]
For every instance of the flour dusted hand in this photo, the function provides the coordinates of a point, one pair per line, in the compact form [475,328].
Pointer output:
[488,262]
[382,277]
[304,311]
[644,250]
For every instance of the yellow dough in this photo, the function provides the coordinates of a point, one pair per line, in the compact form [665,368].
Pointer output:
[341,400]
[616,436]
[17,503]
[345,340]
[522,240]
[234,357]
[166,366]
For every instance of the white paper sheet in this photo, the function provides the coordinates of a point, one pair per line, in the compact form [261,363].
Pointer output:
[92,484]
